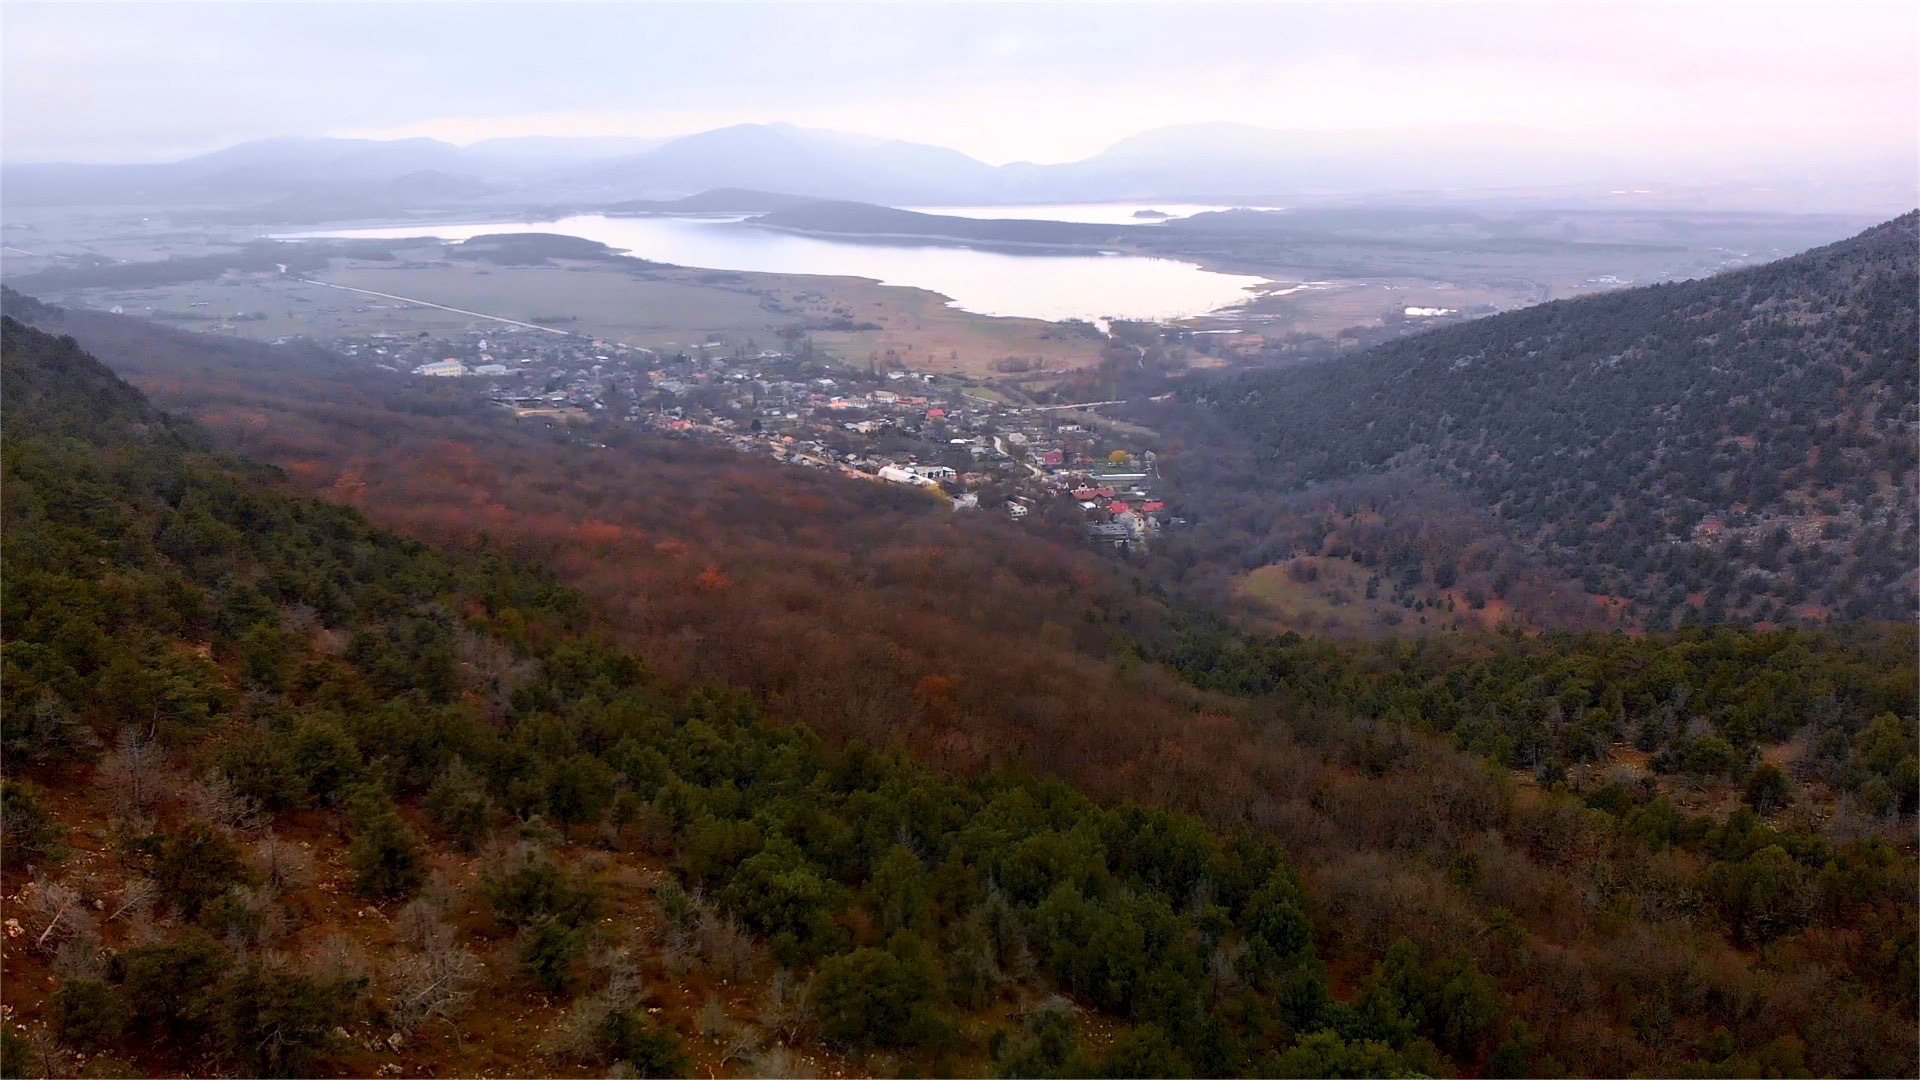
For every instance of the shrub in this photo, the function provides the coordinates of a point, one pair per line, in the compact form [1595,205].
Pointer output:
[534,888]
[27,829]
[386,859]
[273,1022]
[325,758]
[1145,1051]
[1043,1045]
[88,1014]
[171,986]
[1767,789]
[871,997]
[549,950]
[579,789]
[649,1049]
[194,867]
[458,804]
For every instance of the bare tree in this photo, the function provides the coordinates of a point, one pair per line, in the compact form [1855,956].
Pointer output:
[51,913]
[724,946]
[81,954]
[282,863]
[783,1010]
[435,983]
[215,800]
[420,925]
[135,777]
[489,667]
[255,915]
[135,898]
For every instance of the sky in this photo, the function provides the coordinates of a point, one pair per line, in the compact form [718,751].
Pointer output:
[1003,82]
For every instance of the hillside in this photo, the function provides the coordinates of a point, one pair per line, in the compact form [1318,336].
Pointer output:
[305,796]
[1525,841]
[1739,447]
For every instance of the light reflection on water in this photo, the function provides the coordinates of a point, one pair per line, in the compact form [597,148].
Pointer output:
[987,282]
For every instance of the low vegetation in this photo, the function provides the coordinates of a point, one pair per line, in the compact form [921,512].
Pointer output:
[826,776]
[1732,449]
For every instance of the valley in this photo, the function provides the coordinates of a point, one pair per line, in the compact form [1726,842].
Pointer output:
[1115,541]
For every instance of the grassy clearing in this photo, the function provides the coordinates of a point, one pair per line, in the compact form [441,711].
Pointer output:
[1320,594]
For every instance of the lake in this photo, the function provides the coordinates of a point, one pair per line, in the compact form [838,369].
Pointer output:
[990,283]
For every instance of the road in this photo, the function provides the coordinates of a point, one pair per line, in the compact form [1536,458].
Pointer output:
[439,307]
[1031,467]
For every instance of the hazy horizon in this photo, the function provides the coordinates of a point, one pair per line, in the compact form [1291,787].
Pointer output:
[1002,83]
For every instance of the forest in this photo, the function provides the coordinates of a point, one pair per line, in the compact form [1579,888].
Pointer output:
[1513,855]
[226,660]
[1737,448]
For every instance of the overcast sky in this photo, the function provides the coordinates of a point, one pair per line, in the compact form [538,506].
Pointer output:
[1003,82]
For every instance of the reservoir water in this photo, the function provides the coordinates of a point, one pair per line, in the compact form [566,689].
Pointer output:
[987,282]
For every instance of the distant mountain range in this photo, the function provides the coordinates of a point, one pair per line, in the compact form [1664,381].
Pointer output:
[311,179]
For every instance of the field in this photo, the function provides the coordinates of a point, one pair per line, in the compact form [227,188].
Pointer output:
[657,308]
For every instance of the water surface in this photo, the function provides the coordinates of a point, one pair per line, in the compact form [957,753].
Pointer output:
[987,282]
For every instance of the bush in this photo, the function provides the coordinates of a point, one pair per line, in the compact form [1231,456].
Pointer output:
[579,789]
[871,997]
[1326,1054]
[194,867]
[1145,1051]
[649,1049]
[87,1014]
[458,804]
[273,1022]
[1043,1046]
[1767,789]
[549,950]
[171,986]
[386,860]
[16,1054]
[325,758]
[780,894]
[27,829]
[259,767]
[534,888]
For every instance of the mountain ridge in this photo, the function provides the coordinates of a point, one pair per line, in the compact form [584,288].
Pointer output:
[1736,446]
[1191,162]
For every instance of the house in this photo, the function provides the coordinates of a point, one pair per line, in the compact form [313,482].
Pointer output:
[902,475]
[442,369]
[1016,511]
[1152,507]
[1053,457]
[1118,507]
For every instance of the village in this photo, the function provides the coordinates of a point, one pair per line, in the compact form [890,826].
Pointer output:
[879,423]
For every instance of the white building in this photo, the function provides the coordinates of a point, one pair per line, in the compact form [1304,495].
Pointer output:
[442,368]
[902,475]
